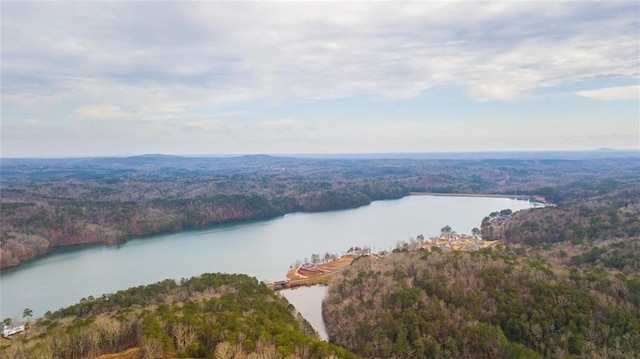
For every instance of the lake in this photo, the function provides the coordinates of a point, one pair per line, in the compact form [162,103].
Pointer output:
[308,302]
[264,249]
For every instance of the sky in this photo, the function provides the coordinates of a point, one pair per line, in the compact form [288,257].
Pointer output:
[137,77]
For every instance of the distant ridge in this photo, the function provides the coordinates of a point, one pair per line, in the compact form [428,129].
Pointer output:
[155,155]
[624,150]
[604,152]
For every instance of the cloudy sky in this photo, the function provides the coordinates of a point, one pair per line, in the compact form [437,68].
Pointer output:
[120,78]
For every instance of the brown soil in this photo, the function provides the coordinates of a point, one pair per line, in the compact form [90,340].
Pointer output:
[303,273]
[489,244]
[133,353]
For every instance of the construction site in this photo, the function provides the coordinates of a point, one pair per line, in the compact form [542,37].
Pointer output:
[307,274]
[312,274]
[457,242]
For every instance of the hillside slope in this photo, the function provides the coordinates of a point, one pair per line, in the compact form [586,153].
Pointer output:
[585,211]
[47,203]
[213,315]
[563,301]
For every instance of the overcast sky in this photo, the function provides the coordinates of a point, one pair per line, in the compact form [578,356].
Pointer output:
[120,78]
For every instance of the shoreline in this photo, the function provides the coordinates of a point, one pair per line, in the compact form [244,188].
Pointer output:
[79,246]
[487,195]
[319,274]
[532,198]
[388,210]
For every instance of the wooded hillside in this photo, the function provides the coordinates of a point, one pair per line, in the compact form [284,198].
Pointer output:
[55,202]
[566,284]
[560,301]
[210,316]
[585,211]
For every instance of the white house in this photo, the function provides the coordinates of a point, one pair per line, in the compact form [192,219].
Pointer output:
[9,330]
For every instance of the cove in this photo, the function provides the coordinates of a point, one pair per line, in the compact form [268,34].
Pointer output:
[308,302]
[264,249]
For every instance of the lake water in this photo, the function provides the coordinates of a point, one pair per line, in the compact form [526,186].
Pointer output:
[264,249]
[308,302]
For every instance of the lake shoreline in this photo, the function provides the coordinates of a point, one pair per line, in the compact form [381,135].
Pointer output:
[532,198]
[237,221]
[61,278]
[51,250]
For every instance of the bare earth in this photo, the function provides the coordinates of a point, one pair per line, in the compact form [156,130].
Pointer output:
[133,353]
[321,269]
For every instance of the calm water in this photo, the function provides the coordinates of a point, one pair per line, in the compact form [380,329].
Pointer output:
[308,302]
[262,249]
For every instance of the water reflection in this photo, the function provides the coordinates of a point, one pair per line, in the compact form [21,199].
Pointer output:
[308,301]
[264,249]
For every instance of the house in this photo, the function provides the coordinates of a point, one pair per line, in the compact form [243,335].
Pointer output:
[9,330]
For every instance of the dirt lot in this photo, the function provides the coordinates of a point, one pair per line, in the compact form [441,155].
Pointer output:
[132,353]
[306,273]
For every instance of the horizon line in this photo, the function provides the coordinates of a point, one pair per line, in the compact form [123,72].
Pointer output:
[330,154]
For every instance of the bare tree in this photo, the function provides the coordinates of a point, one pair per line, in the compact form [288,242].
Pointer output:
[179,332]
[151,349]
[224,350]
[92,336]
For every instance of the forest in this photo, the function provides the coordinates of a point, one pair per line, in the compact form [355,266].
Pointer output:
[210,316]
[565,283]
[595,210]
[47,203]
[561,300]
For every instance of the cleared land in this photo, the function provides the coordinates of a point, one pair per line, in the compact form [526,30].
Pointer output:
[301,272]
[133,353]
[312,275]
[458,243]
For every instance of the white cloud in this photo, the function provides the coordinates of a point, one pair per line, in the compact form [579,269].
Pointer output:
[101,112]
[613,93]
[70,46]
[119,60]
[304,51]
[284,123]
[204,126]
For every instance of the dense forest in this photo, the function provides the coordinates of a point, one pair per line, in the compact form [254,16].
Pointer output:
[210,316]
[556,301]
[56,202]
[565,283]
[593,210]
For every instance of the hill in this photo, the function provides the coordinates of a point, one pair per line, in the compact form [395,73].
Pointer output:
[585,211]
[213,315]
[48,203]
[566,283]
[520,302]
